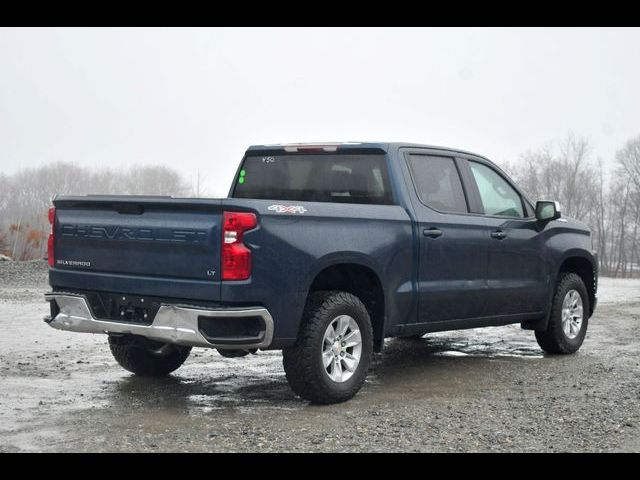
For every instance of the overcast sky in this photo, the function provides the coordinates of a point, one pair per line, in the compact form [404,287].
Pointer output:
[195,99]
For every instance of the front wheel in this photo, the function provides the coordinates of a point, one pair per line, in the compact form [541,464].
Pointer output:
[331,356]
[569,317]
[147,357]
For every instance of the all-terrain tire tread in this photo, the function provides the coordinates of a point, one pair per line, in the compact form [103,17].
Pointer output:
[298,360]
[553,340]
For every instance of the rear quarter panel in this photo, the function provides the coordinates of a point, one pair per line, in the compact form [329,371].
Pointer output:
[290,249]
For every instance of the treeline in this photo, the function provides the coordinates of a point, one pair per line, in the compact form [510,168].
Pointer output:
[25,198]
[606,199]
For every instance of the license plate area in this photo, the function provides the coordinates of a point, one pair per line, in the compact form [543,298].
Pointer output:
[123,307]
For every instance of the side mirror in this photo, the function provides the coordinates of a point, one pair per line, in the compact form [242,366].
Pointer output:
[547,210]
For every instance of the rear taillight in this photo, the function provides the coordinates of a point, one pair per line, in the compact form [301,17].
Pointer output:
[236,257]
[51,240]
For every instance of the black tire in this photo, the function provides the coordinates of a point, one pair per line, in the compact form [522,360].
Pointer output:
[146,357]
[554,339]
[303,363]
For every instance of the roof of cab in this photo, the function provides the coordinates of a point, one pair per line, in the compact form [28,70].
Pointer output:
[361,147]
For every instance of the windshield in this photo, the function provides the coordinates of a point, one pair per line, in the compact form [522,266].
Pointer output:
[340,178]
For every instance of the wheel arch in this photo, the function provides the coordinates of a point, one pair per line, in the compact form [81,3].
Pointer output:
[585,266]
[358,276]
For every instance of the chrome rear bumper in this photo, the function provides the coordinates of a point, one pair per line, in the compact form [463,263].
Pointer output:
[172,324]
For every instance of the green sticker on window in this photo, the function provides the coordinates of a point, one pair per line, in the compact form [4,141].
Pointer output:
[241,180]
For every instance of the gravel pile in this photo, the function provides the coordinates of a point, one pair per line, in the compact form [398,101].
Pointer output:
[23,280]
[29,274]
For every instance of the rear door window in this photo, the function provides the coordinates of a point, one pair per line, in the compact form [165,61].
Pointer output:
[437,183]
[346,178]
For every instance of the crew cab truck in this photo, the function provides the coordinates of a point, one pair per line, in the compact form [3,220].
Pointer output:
[322,251]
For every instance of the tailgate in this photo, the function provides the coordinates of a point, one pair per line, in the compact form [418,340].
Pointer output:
[154,238]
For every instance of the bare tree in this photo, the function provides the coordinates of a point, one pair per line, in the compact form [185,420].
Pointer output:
[154,180]
[609,202]
[629,159]
[4,245]
[26,196]
[4,191]
[599,217]
[197,188]
[560,171]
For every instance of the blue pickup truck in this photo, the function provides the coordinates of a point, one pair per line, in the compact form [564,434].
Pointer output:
[322,251]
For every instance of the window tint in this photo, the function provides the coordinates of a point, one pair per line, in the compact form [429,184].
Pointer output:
[498,197]
[338,178]
[437,183]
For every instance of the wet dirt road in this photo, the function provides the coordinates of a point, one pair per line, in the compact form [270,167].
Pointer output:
[475,390]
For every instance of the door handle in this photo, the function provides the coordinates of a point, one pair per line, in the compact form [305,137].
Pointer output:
[432,232]
[498,235]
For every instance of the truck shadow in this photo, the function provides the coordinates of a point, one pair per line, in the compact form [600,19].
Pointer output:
[426,366]
[449,365]
[198,390]
[476,344]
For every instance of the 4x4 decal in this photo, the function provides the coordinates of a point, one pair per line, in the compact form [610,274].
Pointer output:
[287,208]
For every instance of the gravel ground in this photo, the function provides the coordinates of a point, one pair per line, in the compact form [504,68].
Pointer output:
[474,390]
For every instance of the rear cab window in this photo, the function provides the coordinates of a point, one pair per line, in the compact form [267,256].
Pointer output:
[337,178]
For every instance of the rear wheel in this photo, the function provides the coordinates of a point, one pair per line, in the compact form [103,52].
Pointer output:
[569,317]
[147,357]
[332,354]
